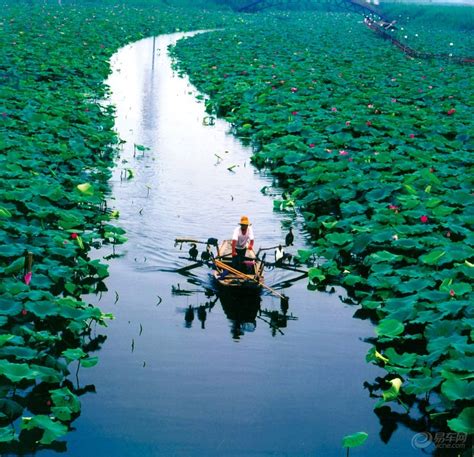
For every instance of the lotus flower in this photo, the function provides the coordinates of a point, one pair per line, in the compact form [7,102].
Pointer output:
[294,89]
[27,278]
[424,219]
[312,145]
[333,109]
[348,123]
[451,112]
[412,135]
[452,293]
[343,152]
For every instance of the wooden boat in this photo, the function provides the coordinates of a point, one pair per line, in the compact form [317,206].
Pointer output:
[227,276]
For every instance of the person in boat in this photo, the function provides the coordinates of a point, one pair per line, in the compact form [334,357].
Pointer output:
[242,239]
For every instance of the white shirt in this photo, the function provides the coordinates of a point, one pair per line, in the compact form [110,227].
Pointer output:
[242,239]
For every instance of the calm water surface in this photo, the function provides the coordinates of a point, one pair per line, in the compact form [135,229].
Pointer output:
[229,384]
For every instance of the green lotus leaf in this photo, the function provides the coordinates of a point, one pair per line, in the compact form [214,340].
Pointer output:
[456,389]
[464,423]
[63,413]
[89,362]
[419,386]
[354,440]
[415,285]
[15,266]
[73,354]
[316,274]
[10,410]
[7,434]
[46,374]
[339,238]
[394,390]
[390,327]
[5,213]
[86,189]
[384,256]
[405,359]
[16,371]
[13,339]
[19,352]
[9,307]
[433,257]
[65,398]
[43,308]
[52,429]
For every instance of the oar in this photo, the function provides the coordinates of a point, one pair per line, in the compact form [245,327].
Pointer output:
[211,241]
[244,276]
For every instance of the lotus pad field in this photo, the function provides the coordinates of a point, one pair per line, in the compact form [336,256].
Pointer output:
[57,146]
[377,152]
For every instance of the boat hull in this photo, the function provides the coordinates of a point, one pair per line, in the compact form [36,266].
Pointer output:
[227,279]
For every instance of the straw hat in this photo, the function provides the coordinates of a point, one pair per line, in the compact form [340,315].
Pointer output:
[244,220]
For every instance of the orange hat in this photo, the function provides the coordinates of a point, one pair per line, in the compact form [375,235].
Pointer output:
[244,220]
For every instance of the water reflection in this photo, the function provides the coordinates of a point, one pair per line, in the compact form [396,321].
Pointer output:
[243,309]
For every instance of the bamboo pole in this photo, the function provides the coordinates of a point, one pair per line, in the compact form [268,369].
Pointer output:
[249,277]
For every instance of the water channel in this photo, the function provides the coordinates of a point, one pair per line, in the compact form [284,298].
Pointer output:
[221,385]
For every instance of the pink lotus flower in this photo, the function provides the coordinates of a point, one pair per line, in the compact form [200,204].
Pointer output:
[27,278]
[294,89]
[369,123]
[448,234]
[350,159]
[393,208]
[370,106]
[73,236]
[23,312]
[424,219]
[348,123]
[412,135]
[294,113]
[394,100]
[333,109]
[452,293]
[312,145]
[451,112]
[343,152]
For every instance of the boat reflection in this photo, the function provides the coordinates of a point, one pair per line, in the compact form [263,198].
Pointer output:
[243,309]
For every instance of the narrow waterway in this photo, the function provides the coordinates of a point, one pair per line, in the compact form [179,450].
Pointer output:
[266,384]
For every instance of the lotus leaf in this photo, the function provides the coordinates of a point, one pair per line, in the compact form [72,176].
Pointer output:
[354,440]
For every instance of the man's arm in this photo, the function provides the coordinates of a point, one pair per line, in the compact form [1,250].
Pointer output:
[251,236]
[234,245]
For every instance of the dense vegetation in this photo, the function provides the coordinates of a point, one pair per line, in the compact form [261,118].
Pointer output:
[57,147]
[377,151]
[372,149]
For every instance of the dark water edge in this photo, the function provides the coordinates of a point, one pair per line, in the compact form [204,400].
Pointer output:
[255,388]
